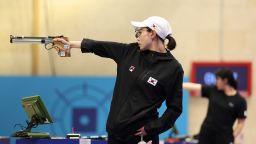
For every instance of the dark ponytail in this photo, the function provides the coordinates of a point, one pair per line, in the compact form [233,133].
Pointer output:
[171,42]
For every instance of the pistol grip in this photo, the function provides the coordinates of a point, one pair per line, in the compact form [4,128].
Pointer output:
[65,53]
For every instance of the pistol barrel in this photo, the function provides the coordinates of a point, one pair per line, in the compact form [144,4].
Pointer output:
[31,40]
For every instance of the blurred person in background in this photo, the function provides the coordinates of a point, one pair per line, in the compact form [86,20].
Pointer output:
[225,107]
[147,75]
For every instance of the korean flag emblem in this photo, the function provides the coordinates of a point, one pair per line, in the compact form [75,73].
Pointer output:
[152,81]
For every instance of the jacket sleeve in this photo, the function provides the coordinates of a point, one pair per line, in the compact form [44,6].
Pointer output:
[174,107]
[112,50]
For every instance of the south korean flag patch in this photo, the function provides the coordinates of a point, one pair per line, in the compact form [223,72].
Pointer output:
[152,81]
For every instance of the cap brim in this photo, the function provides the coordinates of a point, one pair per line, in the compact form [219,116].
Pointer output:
[138,24]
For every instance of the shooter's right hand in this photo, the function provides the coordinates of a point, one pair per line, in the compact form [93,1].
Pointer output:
[62,41]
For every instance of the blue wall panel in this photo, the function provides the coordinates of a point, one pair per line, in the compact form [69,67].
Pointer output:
[79,102]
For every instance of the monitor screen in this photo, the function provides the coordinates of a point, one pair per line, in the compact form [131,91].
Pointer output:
[204,73]
[35,109]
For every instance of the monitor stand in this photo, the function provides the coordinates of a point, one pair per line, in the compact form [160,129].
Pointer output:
[24,134]
[27,132]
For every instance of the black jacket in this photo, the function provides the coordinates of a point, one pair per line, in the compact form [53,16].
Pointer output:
[144,80]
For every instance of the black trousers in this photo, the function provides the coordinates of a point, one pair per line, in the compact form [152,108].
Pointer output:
[132,139]
[210,135]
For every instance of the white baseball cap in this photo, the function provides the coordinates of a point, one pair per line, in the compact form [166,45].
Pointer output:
[160,25]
